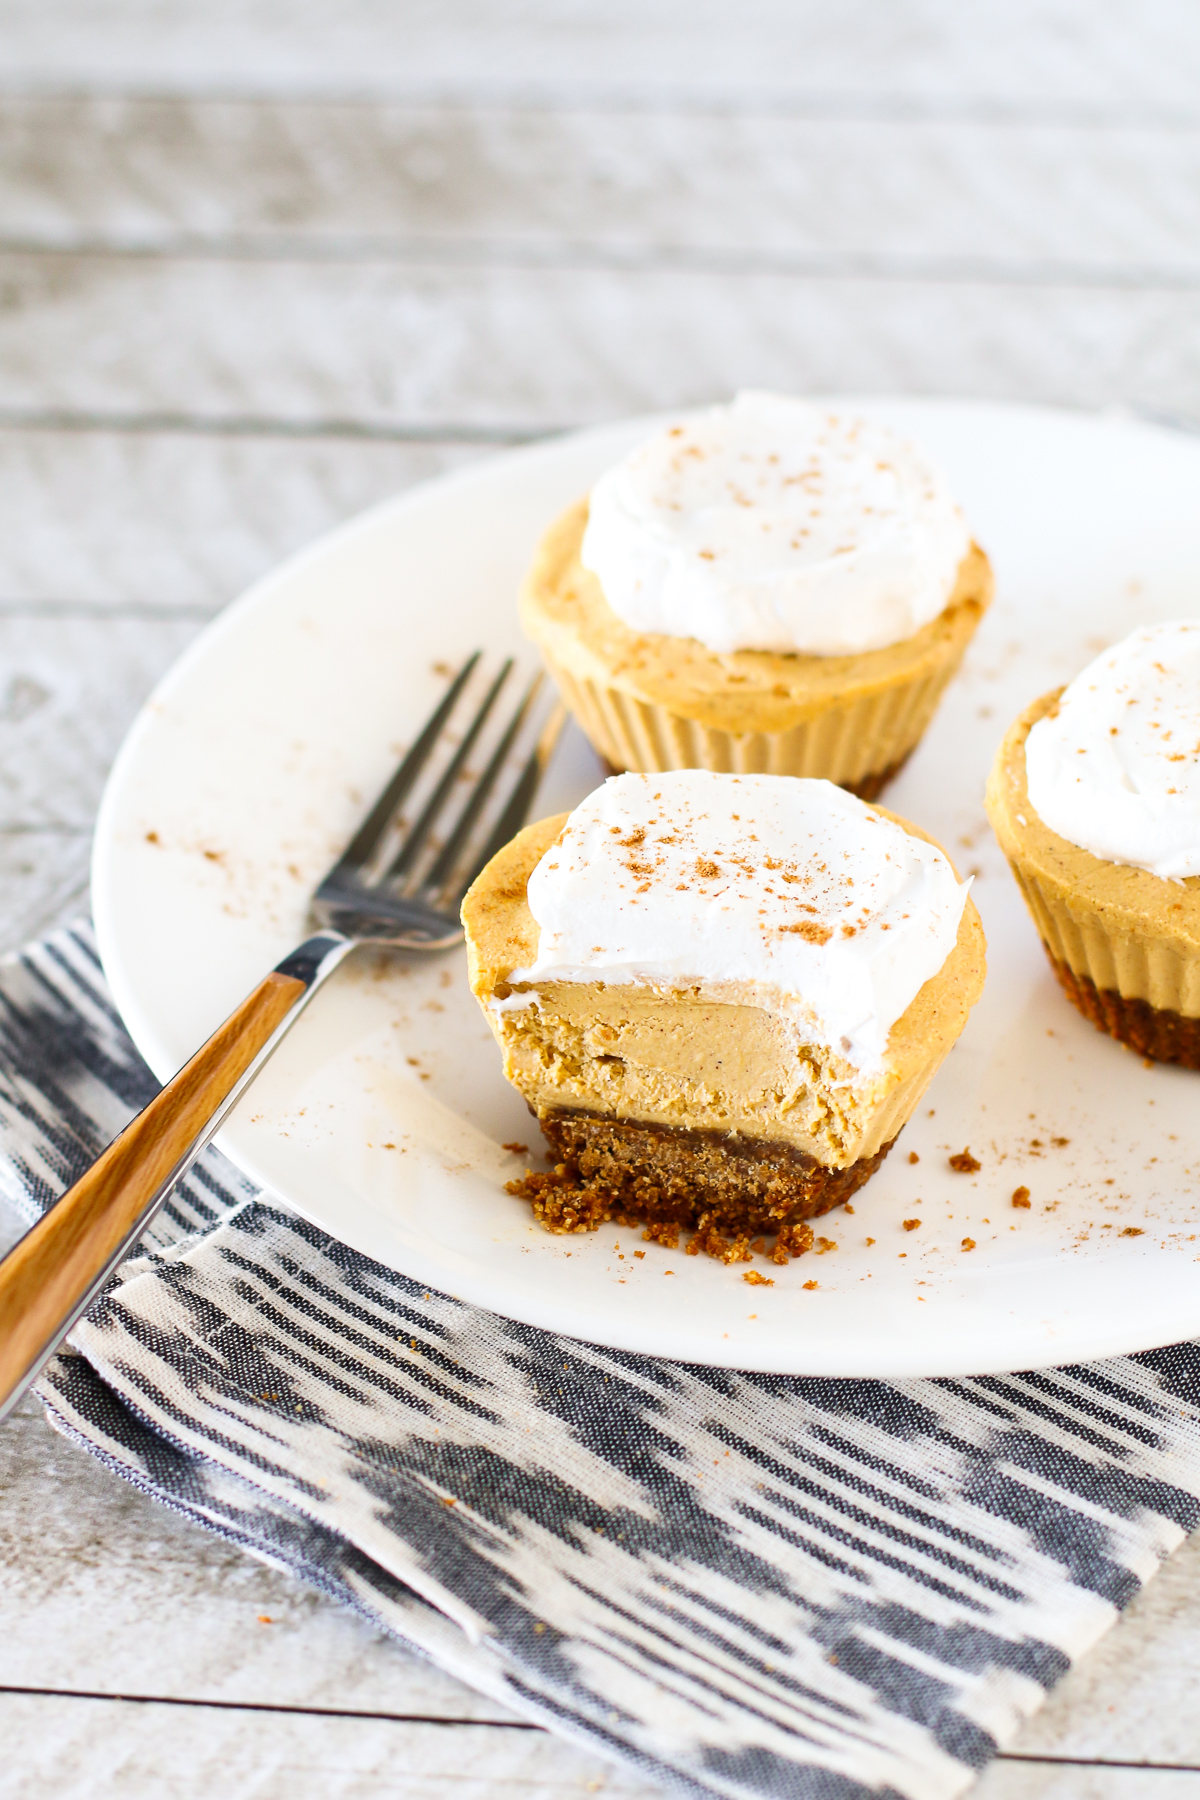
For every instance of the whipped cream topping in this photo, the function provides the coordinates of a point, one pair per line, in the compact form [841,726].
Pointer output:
[1117,769]
[773,524]
[759,888]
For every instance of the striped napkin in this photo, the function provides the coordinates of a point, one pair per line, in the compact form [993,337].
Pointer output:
[743,1585]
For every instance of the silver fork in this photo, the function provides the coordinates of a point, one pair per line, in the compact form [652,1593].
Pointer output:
[395,884]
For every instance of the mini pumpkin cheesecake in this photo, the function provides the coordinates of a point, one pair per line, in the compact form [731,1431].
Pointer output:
[721,996]
[760,587]
[1095,799]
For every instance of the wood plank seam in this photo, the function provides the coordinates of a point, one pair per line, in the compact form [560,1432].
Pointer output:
[102,610]
[1042,1759]
[438,431]
[891,108]
[263,1706]
[1049,1758]
[735,259]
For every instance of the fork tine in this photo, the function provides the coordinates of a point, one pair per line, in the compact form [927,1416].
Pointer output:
[415,840]
[422,914]
[439,875]
[517,810]
[366,839]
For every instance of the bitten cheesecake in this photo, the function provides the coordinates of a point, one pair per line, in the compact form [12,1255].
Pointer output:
[721,996]
[1095,799]
[764,586]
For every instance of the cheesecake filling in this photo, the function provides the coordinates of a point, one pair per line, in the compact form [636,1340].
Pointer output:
[676,1058]
[774,524]
[1115,768]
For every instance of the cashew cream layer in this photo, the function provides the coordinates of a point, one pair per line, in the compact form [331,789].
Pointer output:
[754,888]
[772,524]
[1116,769]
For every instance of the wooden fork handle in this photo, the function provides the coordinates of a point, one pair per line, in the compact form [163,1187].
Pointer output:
[47,1280]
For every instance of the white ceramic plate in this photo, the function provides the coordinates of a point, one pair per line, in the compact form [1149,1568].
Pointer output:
[255,756]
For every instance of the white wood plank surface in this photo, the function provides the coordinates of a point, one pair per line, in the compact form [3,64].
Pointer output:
[1033,1779]
[68,690]
[430,348]
[847,195]
[88,1749]
[43,882]
[82,1749]
[262,265]
[1096,54]
[146,522]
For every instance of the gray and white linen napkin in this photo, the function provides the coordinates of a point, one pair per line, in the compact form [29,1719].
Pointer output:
[744,1585]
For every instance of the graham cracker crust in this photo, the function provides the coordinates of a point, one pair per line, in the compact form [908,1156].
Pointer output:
[1150,1030]
[731,1193]
[871,786]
